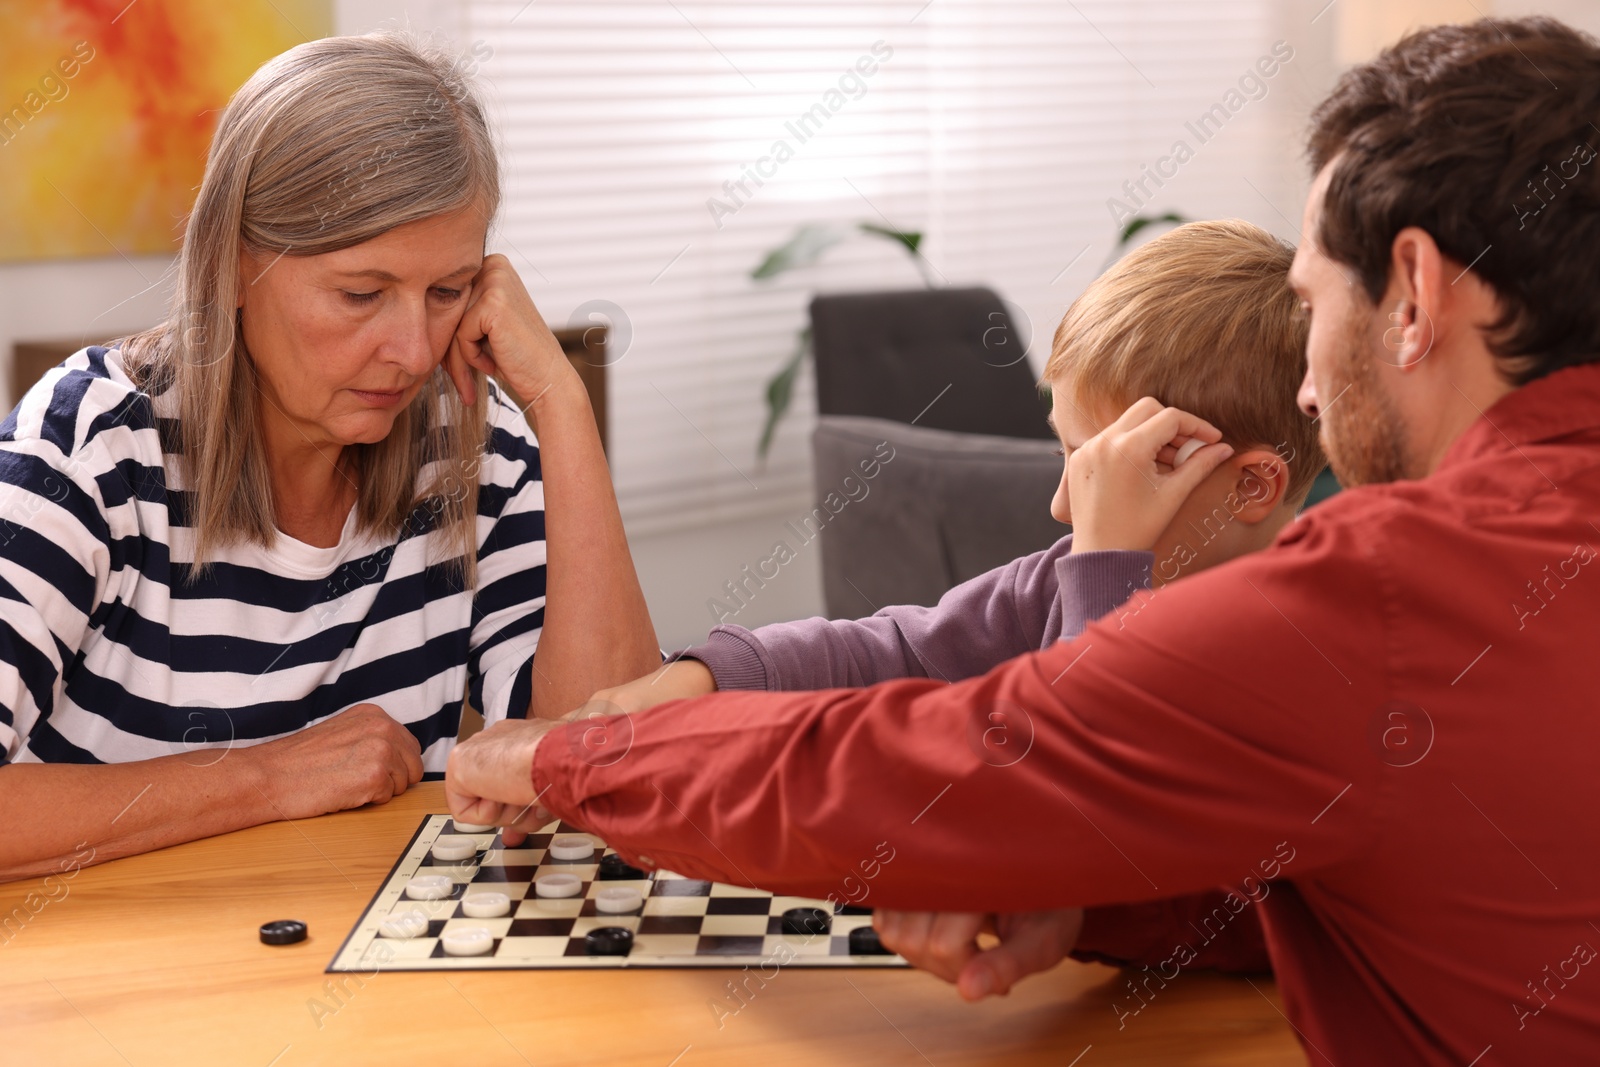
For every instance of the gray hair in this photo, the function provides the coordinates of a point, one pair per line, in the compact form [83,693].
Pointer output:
[328,145]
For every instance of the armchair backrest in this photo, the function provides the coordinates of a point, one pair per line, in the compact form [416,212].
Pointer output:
[951,356]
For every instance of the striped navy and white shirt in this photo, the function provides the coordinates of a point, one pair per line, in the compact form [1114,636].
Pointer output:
[108,653]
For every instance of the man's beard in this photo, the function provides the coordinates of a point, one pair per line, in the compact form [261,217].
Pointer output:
[1361,430]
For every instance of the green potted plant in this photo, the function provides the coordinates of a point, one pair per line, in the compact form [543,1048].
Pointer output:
[804,249]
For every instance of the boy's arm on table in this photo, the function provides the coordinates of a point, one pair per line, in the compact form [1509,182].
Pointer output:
[975,627]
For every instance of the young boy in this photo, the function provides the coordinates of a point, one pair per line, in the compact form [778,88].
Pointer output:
[1201,319]
[1197,341]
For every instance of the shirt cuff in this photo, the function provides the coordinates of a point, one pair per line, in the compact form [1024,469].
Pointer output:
[731,655]
[1203,930]
[1094,584]
[562,762]
[546,772]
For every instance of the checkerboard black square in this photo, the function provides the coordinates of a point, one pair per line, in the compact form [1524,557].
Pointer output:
[737,906]
[730,946]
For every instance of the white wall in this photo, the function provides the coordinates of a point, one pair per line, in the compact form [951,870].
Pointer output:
[1366,26]
[1581,14]
[81,300]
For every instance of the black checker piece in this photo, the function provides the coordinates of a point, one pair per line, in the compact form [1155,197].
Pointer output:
[864,941]
[613,868]
[801,922]
[608,941]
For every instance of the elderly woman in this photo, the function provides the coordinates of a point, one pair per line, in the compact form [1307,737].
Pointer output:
[254,558]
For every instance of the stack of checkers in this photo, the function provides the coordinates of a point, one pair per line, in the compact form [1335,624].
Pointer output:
[458,900]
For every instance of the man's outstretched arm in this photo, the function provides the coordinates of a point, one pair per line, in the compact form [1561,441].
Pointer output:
[1187,749]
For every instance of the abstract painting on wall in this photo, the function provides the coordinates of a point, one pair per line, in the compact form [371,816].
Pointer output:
[107,109]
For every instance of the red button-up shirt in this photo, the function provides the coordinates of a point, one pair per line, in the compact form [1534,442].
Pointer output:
[1381,733]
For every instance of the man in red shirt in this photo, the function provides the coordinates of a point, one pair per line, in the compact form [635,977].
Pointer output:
[1379,733]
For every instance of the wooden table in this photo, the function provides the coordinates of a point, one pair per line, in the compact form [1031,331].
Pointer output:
[156,960]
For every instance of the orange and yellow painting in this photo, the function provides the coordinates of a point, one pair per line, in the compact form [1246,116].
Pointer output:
[107,109]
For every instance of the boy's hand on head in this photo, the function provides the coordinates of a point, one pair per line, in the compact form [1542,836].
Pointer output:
[1123,486]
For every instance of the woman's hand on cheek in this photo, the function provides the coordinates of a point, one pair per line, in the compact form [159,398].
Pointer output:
[502,334]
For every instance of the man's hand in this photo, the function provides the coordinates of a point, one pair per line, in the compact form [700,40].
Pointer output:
[946,944]
[1123,487]
[489,778]
[359,756]
[674,681]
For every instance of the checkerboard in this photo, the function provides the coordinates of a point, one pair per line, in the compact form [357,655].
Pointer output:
[684,922]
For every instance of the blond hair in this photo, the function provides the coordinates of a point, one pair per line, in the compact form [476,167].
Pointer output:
[328,145]
[1201,318]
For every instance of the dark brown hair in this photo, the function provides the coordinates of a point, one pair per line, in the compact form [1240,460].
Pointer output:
[1484,136]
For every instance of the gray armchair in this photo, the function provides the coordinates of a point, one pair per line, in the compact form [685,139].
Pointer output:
[945,507]
[956,500]
[950,359]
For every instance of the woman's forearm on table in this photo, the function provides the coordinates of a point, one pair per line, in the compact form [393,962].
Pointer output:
[61,816]
[597,631]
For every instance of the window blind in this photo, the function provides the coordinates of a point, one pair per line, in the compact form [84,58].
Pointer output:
[657,149]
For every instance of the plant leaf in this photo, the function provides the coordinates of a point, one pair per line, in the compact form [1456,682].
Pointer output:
[1139,222]
[910,238]
[801,250]
[911,241]
[780,391]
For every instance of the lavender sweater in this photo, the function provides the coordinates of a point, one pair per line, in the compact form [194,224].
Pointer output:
[1024,606]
